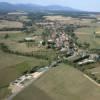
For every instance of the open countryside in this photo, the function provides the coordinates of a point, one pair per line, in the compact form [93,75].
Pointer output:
[49,53]
[52,85]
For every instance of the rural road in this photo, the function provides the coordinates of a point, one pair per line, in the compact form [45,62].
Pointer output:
[14,94]
[86,76]
[31,81]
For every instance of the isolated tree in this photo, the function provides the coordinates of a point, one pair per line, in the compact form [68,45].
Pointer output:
[86,45]
[6,36]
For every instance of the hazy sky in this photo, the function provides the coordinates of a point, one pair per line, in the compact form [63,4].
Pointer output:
[90,5]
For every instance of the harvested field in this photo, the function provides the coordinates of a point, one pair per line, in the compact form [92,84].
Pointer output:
[10,24]
[69,20]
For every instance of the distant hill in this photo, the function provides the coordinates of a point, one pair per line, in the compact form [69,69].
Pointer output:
[60,8]
[4,6]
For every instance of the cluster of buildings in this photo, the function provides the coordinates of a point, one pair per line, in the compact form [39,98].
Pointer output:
[67,46]
[61,41]
[92,58]
[57,37]
[83,58]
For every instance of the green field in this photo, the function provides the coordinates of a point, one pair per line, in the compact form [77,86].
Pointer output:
[86,35]
[61,83]
[12,66]
[13,41]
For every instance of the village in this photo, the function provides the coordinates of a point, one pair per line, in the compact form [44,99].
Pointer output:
[49,50]
[63,39]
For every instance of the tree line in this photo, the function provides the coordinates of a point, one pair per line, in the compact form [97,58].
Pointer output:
[37,54]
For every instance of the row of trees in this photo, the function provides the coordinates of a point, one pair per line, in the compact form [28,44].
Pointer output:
[46,55]
[45,34]
[39,55]
[12,29]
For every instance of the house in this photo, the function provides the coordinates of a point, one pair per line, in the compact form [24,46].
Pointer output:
[86,61]
[29,39]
